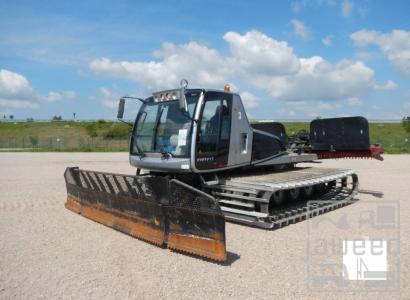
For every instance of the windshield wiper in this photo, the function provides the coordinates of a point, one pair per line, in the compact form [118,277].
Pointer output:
[141,152]
[133,134]
[155,129]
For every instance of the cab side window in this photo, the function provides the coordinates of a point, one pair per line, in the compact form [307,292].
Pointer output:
[213,136]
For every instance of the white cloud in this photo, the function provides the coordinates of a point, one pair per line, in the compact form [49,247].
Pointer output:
[252,52]
[406,103]
[13,85]
[389,85]
[365,37]
[55,96]
[320,80]
[327,41]
[249,100]
[70,95]
[394,45]
[197,62]
[108,98]
[16,92]
[353,101]
[110,103]
[52,97]
[309,109]
[364,55]
[328,2]
[300,29]
[256,53]
[297,6]
[106,93]
[267,64]
[407,106]
[17,104]
[362,10]
[347,8]
[328,106]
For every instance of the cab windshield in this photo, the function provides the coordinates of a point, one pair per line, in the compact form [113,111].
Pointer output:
[162,127]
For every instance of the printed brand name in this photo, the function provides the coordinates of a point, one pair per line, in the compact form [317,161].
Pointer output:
[205,159]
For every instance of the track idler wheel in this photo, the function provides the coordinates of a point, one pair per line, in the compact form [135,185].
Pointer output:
[323,188]
[294,194]
[320,188]
[278,197]
[308,191]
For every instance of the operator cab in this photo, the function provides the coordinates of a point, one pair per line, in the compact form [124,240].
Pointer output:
[197,130]
[161,128]
[163,135]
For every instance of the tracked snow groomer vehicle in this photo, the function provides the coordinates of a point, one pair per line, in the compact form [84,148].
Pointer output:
[200,162]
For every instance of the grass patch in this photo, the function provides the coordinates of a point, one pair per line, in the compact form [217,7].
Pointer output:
[106,136]
[64,136]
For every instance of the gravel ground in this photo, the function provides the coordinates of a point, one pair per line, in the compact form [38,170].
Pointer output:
[47,251]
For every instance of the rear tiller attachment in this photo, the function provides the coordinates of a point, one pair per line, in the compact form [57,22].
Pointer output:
[342,137]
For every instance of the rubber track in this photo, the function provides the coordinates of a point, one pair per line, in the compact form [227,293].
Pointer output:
[294,215]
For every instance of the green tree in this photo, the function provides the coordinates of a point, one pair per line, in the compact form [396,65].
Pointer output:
[91,129]
[34,141]
[406,124]
[117,130]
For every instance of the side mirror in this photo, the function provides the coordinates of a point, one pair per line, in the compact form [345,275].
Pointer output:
[183,106]
[121,106]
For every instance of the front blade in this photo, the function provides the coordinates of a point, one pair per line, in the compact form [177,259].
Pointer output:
[151,208]
[125,203]
[196,223]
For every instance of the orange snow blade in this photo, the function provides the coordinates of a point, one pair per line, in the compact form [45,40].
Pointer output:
[152,208]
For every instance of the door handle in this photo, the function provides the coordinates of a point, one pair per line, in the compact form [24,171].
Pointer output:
[244,143]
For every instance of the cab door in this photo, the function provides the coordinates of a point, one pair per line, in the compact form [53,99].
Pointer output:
[214,131]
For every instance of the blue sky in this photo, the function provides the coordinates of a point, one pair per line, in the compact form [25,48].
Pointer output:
[288,59]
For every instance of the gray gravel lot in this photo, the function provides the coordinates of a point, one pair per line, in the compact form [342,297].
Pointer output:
[49,252]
